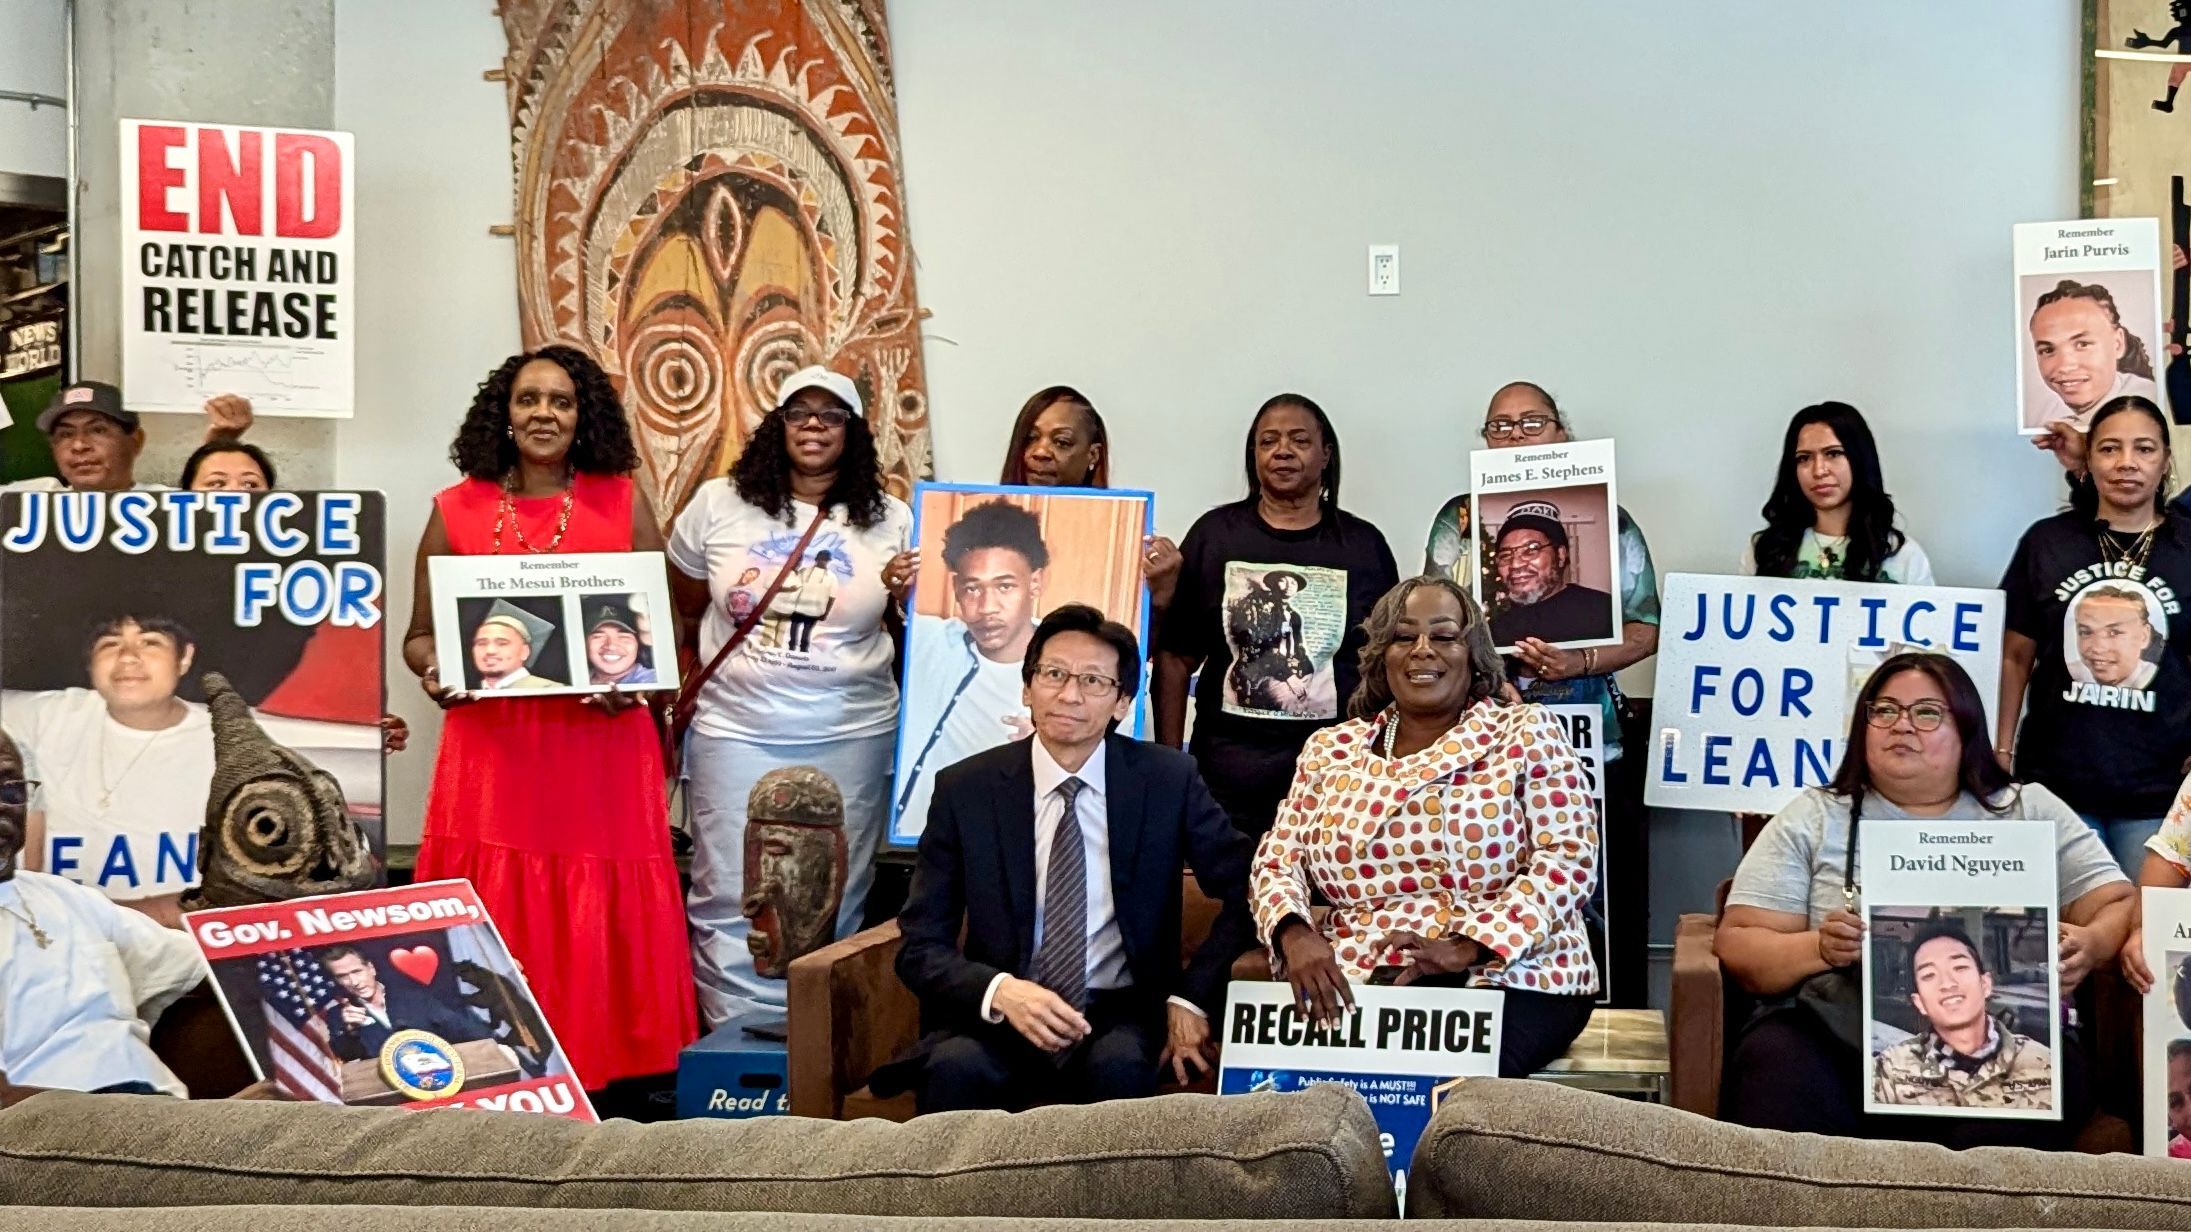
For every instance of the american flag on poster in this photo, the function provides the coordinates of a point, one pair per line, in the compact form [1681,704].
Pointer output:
[297,996]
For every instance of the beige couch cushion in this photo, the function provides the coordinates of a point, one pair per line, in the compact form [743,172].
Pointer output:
[503,1219]
[1309,1154]
[1516,1149]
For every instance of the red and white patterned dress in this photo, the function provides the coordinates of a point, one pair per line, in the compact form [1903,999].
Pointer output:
[1488,833]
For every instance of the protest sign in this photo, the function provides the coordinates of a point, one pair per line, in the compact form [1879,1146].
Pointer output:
[2166,935]
[1394,1046]
[1961,968]
[116,605]
[539,626]
[994,561]
[237,267]
[2088,318]
[1756,677]
[399,997]
[1547,526]
[1583,727]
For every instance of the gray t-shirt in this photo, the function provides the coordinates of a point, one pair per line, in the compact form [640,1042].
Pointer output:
[1797,862]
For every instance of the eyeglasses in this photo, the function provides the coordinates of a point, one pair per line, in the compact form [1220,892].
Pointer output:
[828,416]
[1924,716]
[1093,686]
[16,793]
[1527,425]
[1527,552]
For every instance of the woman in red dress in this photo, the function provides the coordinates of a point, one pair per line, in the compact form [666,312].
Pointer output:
[554,807]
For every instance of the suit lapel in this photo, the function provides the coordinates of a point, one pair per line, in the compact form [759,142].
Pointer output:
[1016,845]
[1126,800]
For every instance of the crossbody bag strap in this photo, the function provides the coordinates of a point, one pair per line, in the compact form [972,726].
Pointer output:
[688,697]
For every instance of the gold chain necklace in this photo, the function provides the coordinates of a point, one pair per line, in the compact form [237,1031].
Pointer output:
[107,789]
[29,917]
[507,516]
[2140,547]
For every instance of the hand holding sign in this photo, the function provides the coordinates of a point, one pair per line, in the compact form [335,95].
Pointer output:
[1319,987]
[1447,956]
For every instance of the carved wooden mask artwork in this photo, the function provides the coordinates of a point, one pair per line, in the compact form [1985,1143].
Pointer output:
[795,865]
[709,199]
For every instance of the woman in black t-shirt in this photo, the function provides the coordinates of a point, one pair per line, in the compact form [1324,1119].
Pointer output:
[2096,638]
[1272,594]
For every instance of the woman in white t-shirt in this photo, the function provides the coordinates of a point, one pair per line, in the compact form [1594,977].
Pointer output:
[1829,515]
[813,684]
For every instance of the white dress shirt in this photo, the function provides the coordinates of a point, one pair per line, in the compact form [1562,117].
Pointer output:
[75,1013]
[1106,946]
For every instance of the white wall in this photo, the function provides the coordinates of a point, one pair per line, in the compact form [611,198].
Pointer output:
[1686,218]
[437,295]
[33,60]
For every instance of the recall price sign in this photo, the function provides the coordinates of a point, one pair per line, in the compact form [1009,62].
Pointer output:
[390,998]
[1393,1047]
[237,270]
[1756,677]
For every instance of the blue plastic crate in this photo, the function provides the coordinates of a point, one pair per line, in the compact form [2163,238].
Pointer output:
[729,1073]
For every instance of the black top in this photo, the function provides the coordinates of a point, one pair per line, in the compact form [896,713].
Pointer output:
[2107,715]
[1274,619]
[1574,614]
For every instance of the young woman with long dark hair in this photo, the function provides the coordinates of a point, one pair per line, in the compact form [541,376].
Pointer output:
[1830,515]
[1272,595]
[1793,932]
[2093,656]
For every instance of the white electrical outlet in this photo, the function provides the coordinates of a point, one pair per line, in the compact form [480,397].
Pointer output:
[1384,269]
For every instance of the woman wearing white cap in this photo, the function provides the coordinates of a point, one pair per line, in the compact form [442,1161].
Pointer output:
[809,679]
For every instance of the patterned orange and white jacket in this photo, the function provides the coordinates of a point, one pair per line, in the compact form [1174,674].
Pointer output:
[1489,833]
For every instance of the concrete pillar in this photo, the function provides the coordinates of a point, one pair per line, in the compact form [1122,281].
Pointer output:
[212,61]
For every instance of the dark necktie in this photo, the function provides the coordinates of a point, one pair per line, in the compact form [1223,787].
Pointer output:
[1061,960]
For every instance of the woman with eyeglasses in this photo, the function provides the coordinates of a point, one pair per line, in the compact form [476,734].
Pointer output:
[1451,834]
[2093,657]
[811,683]
[1792,935]
[1829,515]
[1269,609]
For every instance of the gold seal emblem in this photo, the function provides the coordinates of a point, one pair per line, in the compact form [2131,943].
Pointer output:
[421,1065]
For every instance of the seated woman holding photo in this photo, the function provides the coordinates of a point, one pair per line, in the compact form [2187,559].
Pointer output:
[1793,932]
[1452,834]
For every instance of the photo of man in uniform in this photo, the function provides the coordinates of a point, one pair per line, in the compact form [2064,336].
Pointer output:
[1533,596]
[963,689]
[2115,641]
[371,1010]
[1271,669]
[1963,1057]
[506,646]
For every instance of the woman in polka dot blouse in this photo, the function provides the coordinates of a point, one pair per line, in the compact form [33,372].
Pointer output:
[1453,836]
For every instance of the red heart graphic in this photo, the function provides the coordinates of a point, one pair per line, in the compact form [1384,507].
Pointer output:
[419,962]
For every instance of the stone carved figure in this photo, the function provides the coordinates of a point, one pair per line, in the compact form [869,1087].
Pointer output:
[709,198]
[795,866]
[276,826]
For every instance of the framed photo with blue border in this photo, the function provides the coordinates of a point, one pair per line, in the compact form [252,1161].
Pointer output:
[994,560]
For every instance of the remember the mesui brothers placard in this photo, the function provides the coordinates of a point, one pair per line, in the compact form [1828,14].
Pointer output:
[534,626]
[1757,676]
[1961,968]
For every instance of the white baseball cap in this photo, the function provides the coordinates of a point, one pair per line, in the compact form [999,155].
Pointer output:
[835,383]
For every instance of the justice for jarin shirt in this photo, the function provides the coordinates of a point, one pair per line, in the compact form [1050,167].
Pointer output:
[2107,714]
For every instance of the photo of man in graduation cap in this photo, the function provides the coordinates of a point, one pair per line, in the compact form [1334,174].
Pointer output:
[508,644]
[619,644]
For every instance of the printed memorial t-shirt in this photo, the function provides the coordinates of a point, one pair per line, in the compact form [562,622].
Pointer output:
[957,704]
[817,666]
[1274,617]
[2107,715]
[1826,557]
[123,807]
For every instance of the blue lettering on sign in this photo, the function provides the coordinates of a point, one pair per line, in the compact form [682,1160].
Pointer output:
[338,524]
[1760,769]
[119,866]
[228,537]
[1667,772]
[1755,679]
[1715,760]
[61,854]
[184,862]
[1795,685]
[1966,623]
[1872,607]
[1781,606]
[31,531]
[1909,622]
[80,518]
[172,857]
[134,532]
[1817,758]
[275,532]
[1699,689]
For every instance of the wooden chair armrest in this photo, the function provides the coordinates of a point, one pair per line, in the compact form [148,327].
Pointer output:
[1697,1025]
[848,1015]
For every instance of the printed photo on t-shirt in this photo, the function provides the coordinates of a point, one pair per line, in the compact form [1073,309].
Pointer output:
[785,632]
[1283,624]
[2113,636]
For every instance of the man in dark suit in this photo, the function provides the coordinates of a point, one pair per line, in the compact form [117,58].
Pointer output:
[1061,855]
[371,1011]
